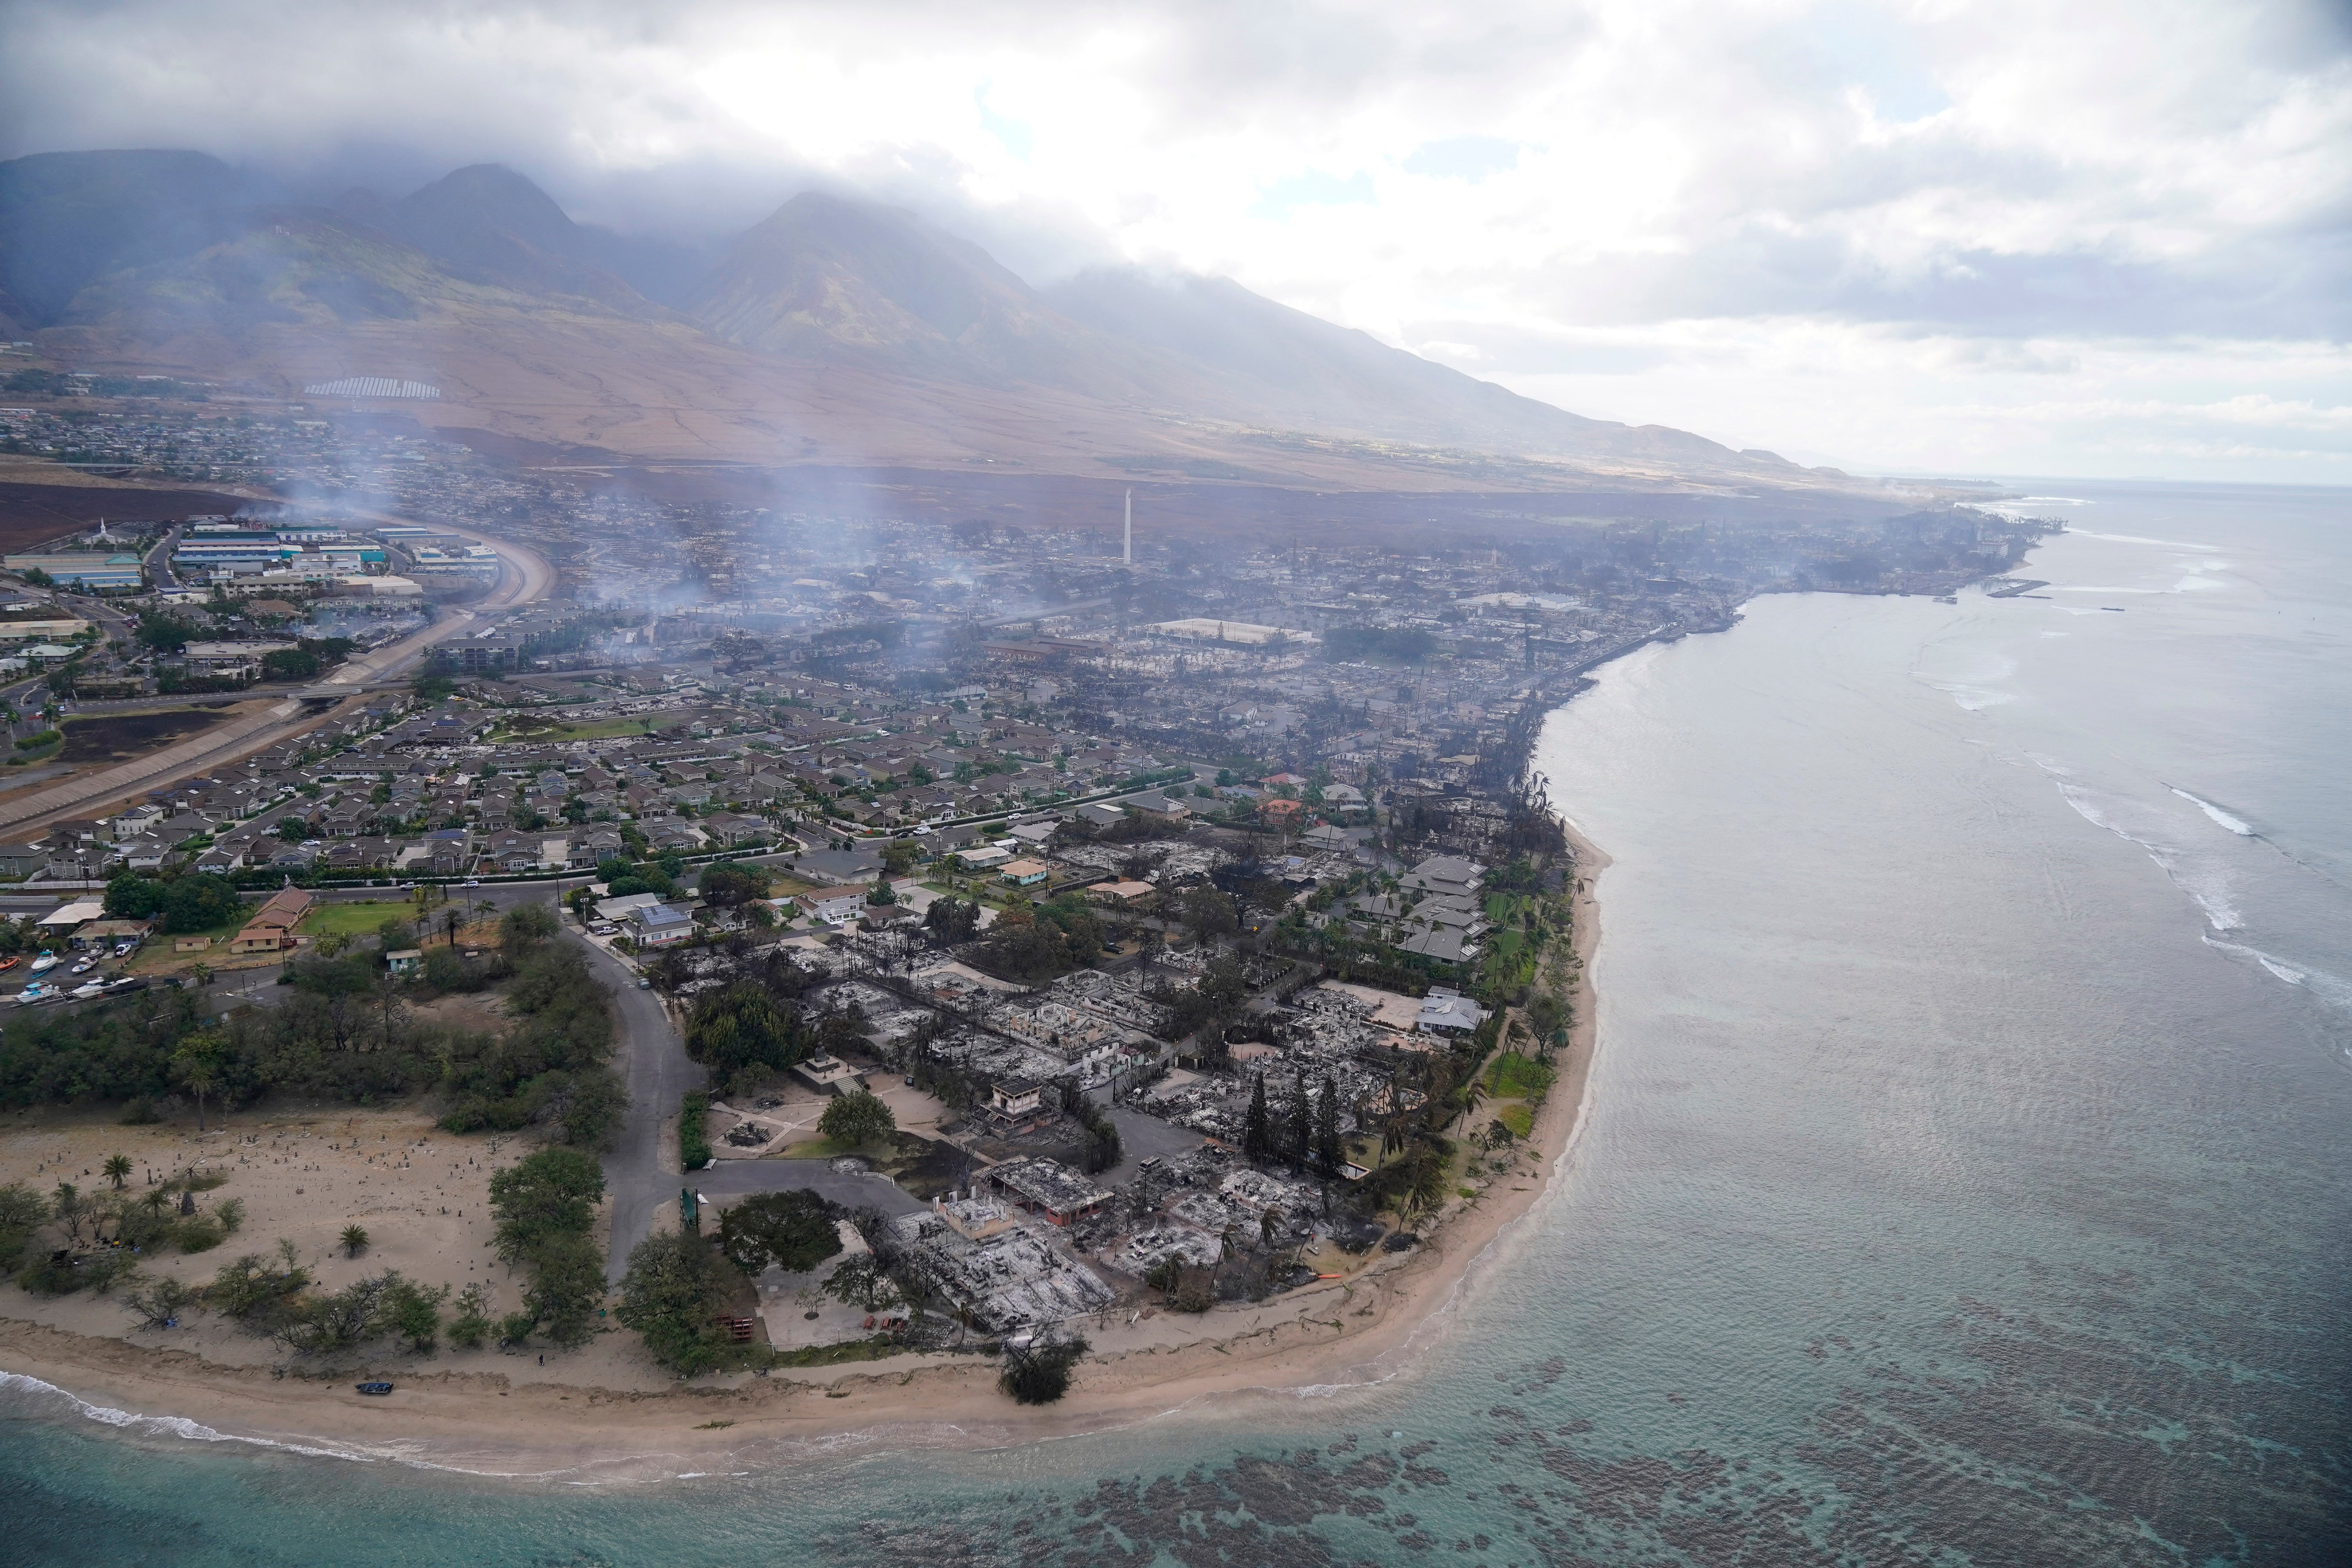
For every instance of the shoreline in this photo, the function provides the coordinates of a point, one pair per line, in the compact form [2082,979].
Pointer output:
[492,1416]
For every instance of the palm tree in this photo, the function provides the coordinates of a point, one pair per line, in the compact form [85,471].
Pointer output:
[1472,1093]
[354,1239]
[199,1064]
[200,973]
[118,1170]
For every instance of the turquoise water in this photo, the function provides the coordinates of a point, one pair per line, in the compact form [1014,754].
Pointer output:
[1965,1180]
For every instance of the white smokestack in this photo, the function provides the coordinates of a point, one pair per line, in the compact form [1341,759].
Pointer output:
[1127,547]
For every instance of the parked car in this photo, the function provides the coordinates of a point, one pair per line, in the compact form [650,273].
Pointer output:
[126,947]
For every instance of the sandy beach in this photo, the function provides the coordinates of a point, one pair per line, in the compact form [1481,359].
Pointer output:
[422,1196]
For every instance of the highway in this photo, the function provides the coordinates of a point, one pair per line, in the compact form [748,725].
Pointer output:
[524,577]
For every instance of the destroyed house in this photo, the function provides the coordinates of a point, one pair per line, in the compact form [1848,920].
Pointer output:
[1046,1188]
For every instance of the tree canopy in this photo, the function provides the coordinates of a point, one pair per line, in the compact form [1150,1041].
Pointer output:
[196,901]
[857,1120]
[792,1230]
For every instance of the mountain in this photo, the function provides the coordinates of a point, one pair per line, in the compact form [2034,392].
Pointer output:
[66,218]
[836,331]
[489,224]
[834,280]
[831,279]
[1331,377]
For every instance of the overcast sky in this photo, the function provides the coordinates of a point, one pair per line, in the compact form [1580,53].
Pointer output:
[2096,237]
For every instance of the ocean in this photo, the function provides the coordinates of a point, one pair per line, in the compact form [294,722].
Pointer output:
[1965,1180]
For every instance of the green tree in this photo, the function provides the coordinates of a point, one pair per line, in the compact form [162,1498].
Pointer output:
[200,1065]
[860,1281]
[1208,914]
[415,1313]
[566,1284]
[732,886]
[523,928]
[1256,1135]
[354,1240]
[1328,1152]
[549,1193]
[1300,1142]
[290,664]
[857,1120]
[743,1027]
[669,1295]
[792,1230]
[118,1170]
[472,1325]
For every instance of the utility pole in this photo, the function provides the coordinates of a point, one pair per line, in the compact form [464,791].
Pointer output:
[1127,542]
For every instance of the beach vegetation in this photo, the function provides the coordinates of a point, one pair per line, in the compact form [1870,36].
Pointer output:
[158,1301]
[414,1313]
[545,1204]
[1039,1372]
[669,1295]
[473,1324]
[256,1289]
[345,1031]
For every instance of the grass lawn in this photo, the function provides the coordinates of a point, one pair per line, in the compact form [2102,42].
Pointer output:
[1511,1076]
[1518,1116]
[603,729]
[1507,943]
[359,918]
[781,887]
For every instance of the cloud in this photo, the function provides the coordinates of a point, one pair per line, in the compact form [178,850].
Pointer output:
[1579,198]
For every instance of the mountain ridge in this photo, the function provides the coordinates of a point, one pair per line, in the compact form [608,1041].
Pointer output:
[480,282]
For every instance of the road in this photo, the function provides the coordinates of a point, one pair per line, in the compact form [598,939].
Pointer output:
[656,1072]
[652,1060]
[524,577]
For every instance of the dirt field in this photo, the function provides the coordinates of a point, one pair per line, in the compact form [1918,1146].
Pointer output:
[119,737]
[34,514]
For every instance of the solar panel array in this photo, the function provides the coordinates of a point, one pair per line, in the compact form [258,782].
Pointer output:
[371,386]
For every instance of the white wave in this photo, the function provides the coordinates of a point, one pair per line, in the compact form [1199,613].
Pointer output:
[2135,539]
[2329,988]
[179,1427]
[2238,826]
[2207,886]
